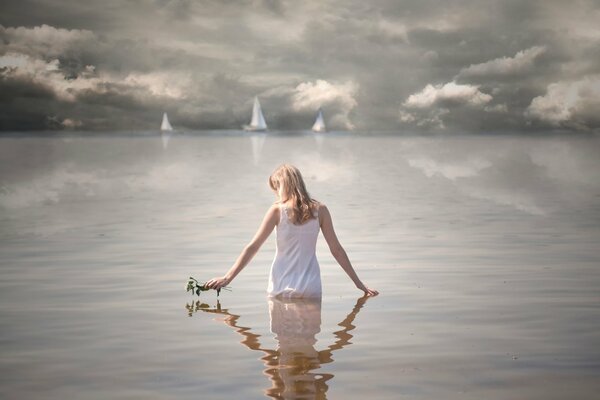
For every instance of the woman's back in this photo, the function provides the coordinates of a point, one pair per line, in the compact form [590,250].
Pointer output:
[295,270]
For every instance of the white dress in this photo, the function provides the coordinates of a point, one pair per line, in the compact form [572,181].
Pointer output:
[295,270]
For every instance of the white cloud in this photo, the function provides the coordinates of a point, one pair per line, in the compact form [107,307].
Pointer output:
[166,84]
[430,119]
[406,116]
[44,40]
[49,74]
[573,104]
[309,95]
[522,62]
[46,73]
[428,107]
[32,54]
[337,99]
[449,93]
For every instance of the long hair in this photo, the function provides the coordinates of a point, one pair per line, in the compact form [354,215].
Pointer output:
[289,179]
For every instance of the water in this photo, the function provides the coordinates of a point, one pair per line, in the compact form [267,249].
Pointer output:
[483,249]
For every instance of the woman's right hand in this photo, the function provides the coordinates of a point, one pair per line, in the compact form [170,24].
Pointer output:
[217,283]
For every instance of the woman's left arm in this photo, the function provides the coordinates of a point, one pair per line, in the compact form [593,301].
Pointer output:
[338,251]
[266,227]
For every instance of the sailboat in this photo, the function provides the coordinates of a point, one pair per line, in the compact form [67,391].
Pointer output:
[257,124]
[165,126]
[166,130]
[319,125]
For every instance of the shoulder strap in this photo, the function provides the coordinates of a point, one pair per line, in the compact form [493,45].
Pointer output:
[283,216]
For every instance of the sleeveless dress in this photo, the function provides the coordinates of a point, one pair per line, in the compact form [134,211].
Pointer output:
[295,270]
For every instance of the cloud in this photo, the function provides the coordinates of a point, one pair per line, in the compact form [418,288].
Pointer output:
[166,84]
[94,98]
[522,62]
[170,55]
[45,40]
[312,95]
[429,107]
[50,75]
[339,98]
[430,119]
[450,93]
[46,73]
[393,29]
[568,104]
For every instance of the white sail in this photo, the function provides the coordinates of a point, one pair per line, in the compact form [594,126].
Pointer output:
[319,125]
[258,120]
[165,126]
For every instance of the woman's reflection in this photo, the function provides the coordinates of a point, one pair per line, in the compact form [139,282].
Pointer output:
[292,367]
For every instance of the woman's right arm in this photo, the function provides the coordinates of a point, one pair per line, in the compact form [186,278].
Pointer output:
[338,251]
[266,227]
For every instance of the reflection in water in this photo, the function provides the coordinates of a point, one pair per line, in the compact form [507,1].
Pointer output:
[165,137]
[319,138]
[292,367]
[258,141]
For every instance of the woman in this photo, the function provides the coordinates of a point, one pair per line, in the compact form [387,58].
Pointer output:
[295,270]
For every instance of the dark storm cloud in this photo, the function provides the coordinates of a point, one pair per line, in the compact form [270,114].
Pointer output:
[410,65]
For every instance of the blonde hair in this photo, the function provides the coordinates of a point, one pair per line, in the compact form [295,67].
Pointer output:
[289,178]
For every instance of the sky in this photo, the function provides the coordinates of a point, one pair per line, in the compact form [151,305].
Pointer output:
[406,66]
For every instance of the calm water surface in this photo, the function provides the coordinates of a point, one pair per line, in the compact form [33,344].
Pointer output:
[483,249]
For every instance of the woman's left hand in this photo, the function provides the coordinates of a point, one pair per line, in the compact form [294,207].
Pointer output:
[368,291]
[371,292]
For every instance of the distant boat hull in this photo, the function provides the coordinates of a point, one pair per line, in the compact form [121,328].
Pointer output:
[250,128]
[319,130]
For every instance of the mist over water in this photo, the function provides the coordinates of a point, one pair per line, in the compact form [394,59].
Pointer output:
[483,249]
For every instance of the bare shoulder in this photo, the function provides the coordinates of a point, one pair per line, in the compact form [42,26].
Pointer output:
[274,209]
[273,213]
[323,212]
